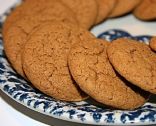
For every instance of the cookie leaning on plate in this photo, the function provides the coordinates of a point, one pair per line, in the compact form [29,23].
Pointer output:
[45,59]
[105,7]
[90,67]
[123,7]
[146,10]
[135,62]
[36,7]
[153,43]
[85,10]
[16,34]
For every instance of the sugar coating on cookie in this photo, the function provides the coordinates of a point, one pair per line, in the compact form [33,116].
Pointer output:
[146,10]
[153,43]
[123,6]
[91,69]
[105,7]
[134,61]
[16,35]
[45,59]
[85,11]
[39,7]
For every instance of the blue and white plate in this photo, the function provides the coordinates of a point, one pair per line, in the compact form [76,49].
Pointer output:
[82,112]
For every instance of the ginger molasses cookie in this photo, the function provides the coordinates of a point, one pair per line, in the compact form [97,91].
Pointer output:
[123,6]
[17,34]
[135,62]
[91,69]
[85,10]
[105,7]
[45,59]
[39,7]
[153,43]
[146,10]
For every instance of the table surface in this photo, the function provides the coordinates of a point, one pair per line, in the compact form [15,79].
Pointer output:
[13,113]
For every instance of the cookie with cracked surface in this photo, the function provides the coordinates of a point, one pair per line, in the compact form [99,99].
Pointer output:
[146,10]
[134,61]
[91,69]
[123,7]
[16,35]
[105,8]
[45,59]
[39,7]
[85,11]
[153,43]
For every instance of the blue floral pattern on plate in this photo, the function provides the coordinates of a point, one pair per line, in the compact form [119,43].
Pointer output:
[82,112]
[113,34]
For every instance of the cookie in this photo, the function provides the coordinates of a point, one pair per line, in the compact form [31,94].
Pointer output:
[85,11]
[16,35]
[45,59]
[134,61]
[105,7]
[123,6]
[153,43]
[146,10]
[26,8]
[39,7]
[91,69]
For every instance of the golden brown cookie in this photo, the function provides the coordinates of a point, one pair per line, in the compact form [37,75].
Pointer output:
[39,7]
[45,59]
[123,6]
[16,35]
[85,11]
[134,61]
[105,7]
[153,43]
[146,10]
[90,67]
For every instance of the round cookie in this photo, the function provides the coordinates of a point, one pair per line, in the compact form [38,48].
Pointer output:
[134,61]
[16,35]
[45,59]
[90,67]
[123,6]
[146,10]
[105,7]
[39,7]
[85,11]
[153,43]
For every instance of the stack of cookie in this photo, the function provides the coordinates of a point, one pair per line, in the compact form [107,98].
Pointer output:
[47,42]
[108,71]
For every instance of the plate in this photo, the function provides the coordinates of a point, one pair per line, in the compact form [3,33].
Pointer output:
[84,112]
